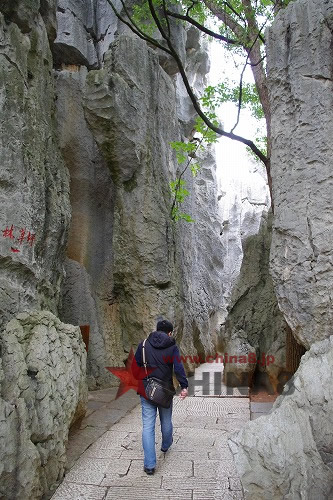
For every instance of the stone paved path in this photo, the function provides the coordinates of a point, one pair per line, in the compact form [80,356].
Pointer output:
[103,411]
[198,466]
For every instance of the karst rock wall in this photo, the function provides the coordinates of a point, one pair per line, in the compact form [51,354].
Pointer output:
[300,68]
[251,319]
[43,386]
[255,323]
[119,104]
[34,182]
[128,263]
[288,453]
[87,114]
[43,391]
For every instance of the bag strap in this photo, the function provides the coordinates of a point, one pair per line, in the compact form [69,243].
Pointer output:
[144,357]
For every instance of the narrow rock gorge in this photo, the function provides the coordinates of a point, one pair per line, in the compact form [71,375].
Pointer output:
[88,111]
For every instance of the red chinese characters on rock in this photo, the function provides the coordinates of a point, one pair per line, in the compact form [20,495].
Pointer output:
[8,232]
[31,238]
[20,237]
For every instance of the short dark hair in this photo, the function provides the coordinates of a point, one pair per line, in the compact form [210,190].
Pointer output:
[164,326]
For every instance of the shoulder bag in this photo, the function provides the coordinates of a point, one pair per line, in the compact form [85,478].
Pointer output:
[155,390]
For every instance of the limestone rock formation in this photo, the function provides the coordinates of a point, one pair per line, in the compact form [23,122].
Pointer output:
[300,68]
[200,256]
[130,272]
[42,392]
[255,323]
[85,297]
[243,196]
[34,183]
[85,30]
[42,364]
[289,453]
[25,14]
[197,64]
[128,263]
[250,319]
[75,42]
[158,269]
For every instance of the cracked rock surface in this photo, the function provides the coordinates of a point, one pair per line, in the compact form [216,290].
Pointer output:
[42,392]
[255,323]
[300,68]
[85,31]
[34,183]
[158,268]
[128,263]
[289,453]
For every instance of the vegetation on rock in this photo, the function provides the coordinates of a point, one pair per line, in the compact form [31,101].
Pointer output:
[239,25]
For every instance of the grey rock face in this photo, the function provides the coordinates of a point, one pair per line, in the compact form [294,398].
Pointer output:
[74,43]
[42,392]
[199,252]
[300,69]
[24,14]
[255,323]
[196,64]
[48,11]
[289,453]
[85,30]
[128,104]
[42,364]
[106,25]
[34,187]
[200,256]
[243,197]
[239,366]
[83,305]
[21,13]
[128,265]
[158,269]
[251,321]
[178,36]
[89,277]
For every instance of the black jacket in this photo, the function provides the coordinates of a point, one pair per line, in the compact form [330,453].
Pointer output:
[163,355]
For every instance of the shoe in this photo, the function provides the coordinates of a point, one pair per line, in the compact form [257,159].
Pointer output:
[165,450]
[150,472]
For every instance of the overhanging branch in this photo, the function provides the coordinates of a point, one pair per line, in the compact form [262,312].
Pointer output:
[193,98]
[242,75]
[135,29]
[171,51]
[202,28]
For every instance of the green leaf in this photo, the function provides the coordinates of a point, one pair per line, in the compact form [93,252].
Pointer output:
[183,149]
[186,217]
[195,167]
[179,193]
